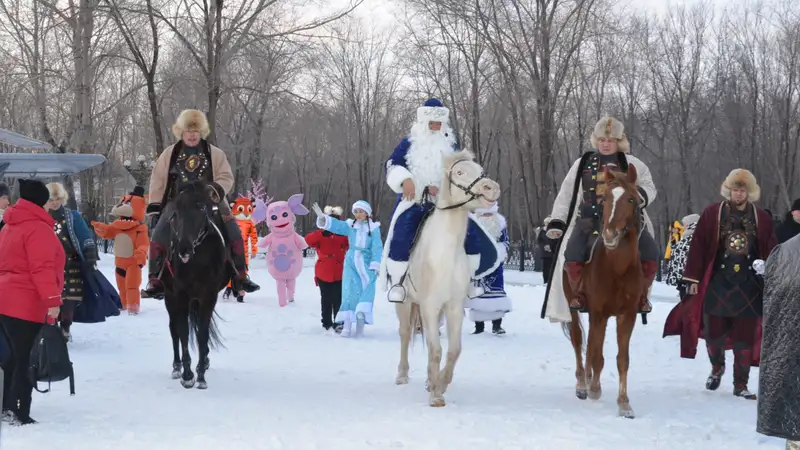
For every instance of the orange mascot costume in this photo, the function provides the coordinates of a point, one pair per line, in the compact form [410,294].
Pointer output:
[242,210]
[131,245]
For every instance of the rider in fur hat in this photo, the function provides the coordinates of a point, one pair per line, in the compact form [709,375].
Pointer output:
[578,211]
[192,158]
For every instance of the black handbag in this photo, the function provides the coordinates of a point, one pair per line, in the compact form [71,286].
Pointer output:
[49,360]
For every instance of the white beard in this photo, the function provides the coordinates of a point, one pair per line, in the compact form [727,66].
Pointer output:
[424,157]
[494,224]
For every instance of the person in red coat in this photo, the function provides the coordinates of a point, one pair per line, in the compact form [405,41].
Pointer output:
[331,249]
[723,271]
[31,280]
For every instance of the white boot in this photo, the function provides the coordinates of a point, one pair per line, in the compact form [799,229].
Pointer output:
[360,321]
[346,326]
[395,270]
[476,287]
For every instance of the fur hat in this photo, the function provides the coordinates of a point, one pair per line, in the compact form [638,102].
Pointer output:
[741,179]
[363,205]
[57,192]
[34,191]
[333,211]
[433,111]
[4,190]
[610,127]
[690,219]
[191,120]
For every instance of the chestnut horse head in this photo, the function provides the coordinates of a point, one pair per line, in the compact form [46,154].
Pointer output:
[621,212]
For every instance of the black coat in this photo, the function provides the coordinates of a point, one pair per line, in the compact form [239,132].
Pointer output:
[787,229]
[546,246]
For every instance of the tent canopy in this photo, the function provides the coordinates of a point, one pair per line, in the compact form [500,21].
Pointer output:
[46,165]
[17,140]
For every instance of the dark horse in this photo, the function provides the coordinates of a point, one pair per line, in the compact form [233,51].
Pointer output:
[196,273]
[614,283]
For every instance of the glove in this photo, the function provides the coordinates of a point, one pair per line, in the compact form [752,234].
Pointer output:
[758,266]
[317,210]
[153,208]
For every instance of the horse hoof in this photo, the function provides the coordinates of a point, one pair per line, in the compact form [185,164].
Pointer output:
[626,412]
[581,394]
[202,385]
[401,380]
[595,395]
[188,384]
[437,402]
[176,374]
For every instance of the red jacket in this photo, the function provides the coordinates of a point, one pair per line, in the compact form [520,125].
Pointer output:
[31,263]
[330,255]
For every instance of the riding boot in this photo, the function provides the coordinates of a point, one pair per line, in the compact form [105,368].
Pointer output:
[233,235]
[396,271]
[716,355]
[649,269]
[574,271]
[155,287]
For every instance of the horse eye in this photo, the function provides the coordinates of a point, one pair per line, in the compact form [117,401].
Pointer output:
[273,217]
[460,172]
[285,214]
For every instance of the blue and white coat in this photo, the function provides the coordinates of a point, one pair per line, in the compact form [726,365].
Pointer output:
[494,303]
[361,265]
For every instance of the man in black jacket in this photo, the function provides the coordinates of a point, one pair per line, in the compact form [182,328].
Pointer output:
[546,247]
[790,227]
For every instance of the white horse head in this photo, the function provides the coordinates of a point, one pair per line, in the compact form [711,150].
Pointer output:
[466,185]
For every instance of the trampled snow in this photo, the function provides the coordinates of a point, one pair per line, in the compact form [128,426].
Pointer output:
[282,382]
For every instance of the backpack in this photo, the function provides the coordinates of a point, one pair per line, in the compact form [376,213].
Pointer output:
[49,359]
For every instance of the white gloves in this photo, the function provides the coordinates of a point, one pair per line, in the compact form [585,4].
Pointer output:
[321,217]
[758,266]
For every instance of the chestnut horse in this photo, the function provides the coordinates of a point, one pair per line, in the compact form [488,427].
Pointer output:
[613,282]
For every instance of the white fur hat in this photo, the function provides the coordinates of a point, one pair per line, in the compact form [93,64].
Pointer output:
[57,192]
[191,120]
[363,205]
[333,210]
[610,128]
[741,179]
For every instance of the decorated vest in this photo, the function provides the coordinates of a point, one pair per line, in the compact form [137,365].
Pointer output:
[190,164]
[737,245]
[594,182]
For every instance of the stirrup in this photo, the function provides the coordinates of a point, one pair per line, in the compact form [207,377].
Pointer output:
[396,291]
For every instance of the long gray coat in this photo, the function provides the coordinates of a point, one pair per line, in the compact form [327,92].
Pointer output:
[779,372]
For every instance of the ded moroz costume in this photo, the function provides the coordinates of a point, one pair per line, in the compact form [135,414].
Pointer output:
[415,172]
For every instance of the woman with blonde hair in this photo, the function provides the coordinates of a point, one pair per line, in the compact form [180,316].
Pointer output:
[80,249]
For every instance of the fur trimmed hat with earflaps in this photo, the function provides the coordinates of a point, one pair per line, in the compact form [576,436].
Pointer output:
[191,120]
[610,127]
[741,179]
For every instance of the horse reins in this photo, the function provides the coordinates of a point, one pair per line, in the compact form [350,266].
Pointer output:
[466,189]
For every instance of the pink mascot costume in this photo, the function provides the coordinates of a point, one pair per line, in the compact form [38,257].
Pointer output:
[283,246]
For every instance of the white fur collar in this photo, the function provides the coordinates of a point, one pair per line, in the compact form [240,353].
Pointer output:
[372,225]
[494,224]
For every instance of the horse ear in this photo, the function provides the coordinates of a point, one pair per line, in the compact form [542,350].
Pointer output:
[632,174]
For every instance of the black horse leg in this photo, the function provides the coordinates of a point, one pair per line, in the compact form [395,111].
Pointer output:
[202,344]
[176,357]
[187,379]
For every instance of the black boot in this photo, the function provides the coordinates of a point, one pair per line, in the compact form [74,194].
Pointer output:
[497,327]
[479,326]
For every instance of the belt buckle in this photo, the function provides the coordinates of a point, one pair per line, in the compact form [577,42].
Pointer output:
[737,268]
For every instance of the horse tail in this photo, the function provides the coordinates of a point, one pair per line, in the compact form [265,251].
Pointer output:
[196,314]
[416,322]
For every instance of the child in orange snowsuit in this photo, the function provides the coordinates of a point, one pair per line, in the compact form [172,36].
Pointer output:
[131,244]
[242,209]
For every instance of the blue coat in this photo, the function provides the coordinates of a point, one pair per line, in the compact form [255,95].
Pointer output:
[361,265]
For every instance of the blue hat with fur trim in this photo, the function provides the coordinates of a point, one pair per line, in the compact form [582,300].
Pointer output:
[363,205]
[433,111]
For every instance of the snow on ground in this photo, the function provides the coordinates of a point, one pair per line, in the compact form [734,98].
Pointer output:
[284,383]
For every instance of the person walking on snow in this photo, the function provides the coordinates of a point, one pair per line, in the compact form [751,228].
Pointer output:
[331,251]
[493,304]
[414,171]
[361,265]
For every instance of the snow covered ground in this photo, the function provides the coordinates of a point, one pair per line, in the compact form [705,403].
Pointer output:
[282,382]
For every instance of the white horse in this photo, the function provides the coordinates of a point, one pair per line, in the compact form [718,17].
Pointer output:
[439,275]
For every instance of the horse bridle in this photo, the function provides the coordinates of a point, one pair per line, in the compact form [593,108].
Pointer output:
[209,223]
[466,189]
[637,218]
